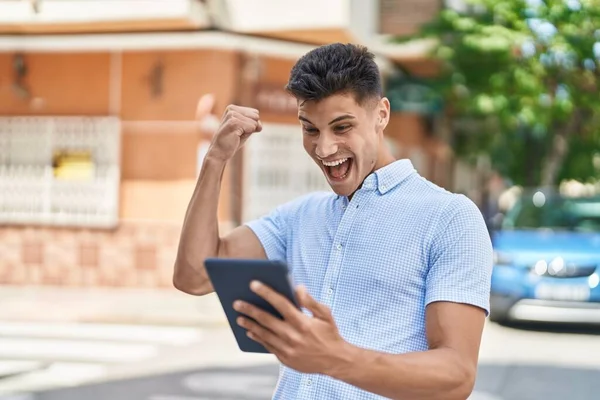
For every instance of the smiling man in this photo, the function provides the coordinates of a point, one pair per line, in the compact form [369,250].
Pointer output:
[394,272]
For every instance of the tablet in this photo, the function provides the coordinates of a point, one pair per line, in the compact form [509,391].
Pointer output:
[231,280]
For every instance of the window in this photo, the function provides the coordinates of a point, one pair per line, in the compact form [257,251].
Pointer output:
[59,171]
[277,170]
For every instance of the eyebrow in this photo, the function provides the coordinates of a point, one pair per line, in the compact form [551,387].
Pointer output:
[333,121]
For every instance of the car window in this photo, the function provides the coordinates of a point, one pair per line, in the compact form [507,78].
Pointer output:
[554,212]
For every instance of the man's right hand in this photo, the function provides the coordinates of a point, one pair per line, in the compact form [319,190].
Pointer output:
[237,125]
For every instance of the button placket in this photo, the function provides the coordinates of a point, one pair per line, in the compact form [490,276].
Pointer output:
[337,252]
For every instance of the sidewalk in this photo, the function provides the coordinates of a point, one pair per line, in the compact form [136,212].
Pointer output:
[107,305]
[160,307]
[129,336]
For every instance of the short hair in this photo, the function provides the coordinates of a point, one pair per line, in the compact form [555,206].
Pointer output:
[336,69]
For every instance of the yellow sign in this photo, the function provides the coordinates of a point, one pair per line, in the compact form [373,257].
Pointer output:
[73,165]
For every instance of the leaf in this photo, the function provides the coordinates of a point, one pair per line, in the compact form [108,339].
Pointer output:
[518,73]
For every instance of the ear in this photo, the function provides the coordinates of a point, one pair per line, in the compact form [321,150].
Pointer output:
[383,113]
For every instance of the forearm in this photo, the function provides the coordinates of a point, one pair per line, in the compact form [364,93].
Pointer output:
[200,233]
[435,374]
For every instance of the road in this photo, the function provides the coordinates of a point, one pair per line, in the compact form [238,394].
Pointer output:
[517,363]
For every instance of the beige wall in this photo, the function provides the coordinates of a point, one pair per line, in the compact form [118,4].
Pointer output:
[159,156]
[159,137]
[65,84]
[159,159]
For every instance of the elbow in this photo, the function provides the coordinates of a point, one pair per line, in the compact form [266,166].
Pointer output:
[190,285]
[185,288]
[462,393]
[457,383]
[194,290]
[464,382]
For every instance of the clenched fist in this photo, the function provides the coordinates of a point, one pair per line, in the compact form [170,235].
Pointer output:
[237,125]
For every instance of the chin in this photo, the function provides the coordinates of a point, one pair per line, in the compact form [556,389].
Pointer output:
[342,192]
[347,187]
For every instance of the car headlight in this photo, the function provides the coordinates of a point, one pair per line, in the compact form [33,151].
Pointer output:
[502,258]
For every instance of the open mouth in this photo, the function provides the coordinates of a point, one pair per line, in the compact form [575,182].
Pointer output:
[338,170]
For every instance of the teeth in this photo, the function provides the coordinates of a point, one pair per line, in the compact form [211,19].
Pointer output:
[334,163]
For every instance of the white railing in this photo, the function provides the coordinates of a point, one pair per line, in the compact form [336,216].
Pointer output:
[277,169]
[29,191]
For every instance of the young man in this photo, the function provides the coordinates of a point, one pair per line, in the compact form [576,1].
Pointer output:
[394,272]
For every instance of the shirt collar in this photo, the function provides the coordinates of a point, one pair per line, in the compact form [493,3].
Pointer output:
[390,176]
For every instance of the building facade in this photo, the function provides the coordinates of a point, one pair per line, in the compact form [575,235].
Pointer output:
[99,149]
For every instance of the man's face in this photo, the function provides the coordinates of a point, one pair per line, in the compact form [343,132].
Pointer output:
[344,138]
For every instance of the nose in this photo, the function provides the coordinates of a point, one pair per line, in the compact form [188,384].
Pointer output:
[326,146]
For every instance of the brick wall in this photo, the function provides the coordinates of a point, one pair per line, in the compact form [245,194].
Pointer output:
[137,254]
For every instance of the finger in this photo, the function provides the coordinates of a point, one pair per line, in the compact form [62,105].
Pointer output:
[263,334]
[245,111]
[264,318]
[247,126]
[250,113]
[267,346]
[239,116]
[285,307]
[241,126]
[317,309]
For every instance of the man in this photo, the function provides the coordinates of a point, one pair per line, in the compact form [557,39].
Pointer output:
[394,272]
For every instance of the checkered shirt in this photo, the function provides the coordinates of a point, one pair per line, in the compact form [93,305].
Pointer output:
[377,261]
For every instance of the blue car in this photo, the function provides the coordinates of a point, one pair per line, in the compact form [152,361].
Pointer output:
[547,260]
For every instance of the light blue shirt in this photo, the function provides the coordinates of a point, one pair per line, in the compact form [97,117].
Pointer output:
[377,261]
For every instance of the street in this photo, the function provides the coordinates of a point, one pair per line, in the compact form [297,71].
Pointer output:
[178,363]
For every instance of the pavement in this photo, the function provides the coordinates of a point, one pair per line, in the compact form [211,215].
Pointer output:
[112,306]
[54,337]
[71,343]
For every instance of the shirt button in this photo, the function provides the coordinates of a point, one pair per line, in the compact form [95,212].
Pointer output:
[383,187]
[308,382]
[339,246]
[330,291]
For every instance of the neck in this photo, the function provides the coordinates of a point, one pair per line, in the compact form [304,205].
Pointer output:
[385,158]
[383,162]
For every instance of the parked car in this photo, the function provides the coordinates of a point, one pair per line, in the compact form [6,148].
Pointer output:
[547,259]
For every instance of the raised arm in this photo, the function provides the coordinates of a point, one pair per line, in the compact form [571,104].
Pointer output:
[200,238]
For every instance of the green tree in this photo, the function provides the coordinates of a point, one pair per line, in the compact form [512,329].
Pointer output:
[521,82]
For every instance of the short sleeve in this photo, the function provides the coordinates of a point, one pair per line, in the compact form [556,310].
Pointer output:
[461,257]
[273,229]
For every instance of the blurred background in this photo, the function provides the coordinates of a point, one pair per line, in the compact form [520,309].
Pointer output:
[100,149]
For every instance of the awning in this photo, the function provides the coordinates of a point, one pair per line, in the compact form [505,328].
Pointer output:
[160,41]
[99,25]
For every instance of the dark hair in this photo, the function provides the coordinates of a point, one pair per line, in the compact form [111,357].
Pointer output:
[335,69]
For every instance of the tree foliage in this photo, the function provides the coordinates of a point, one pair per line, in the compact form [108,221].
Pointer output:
[521,82]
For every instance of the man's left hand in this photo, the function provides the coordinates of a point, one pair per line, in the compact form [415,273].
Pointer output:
[306,344]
